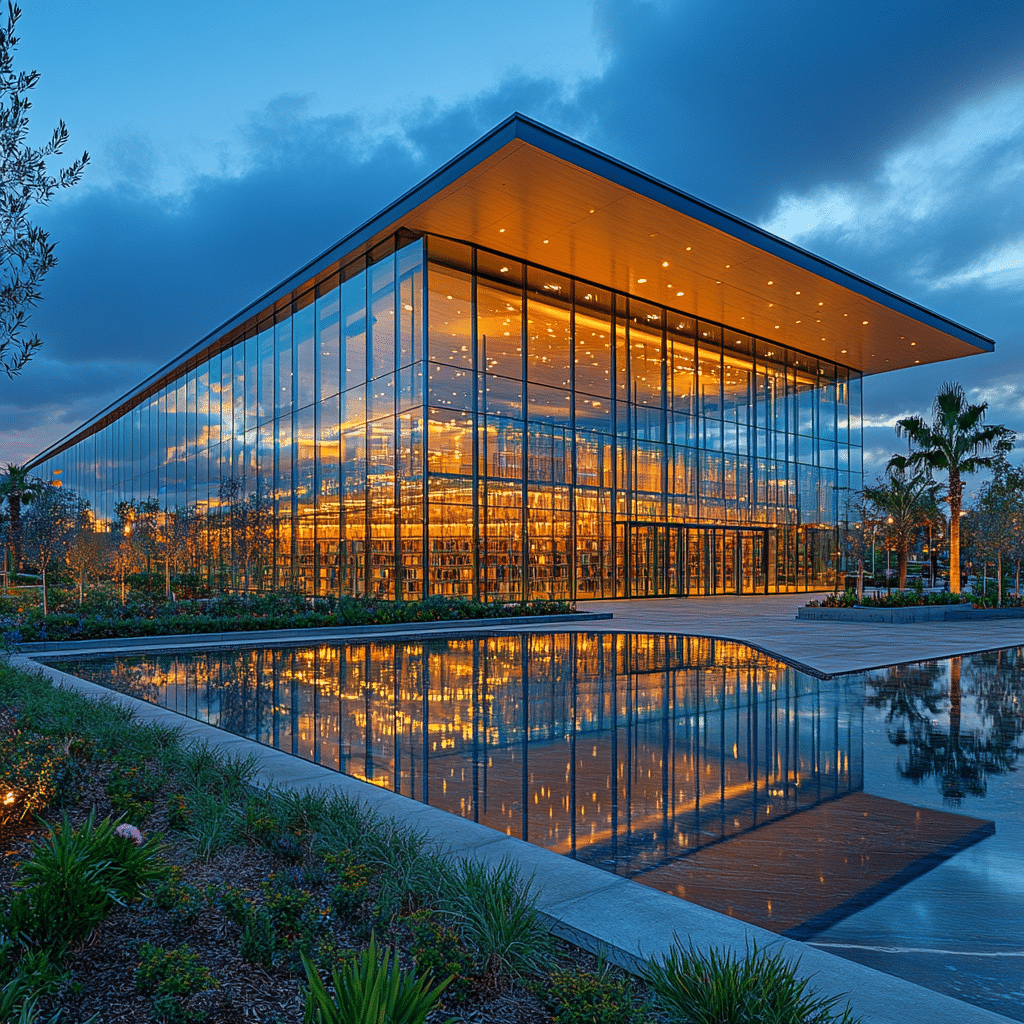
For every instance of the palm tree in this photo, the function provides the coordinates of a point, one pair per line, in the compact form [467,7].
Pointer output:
[904,503]
[18,489]
[954,443]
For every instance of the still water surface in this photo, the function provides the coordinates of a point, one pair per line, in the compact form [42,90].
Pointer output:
[702,767]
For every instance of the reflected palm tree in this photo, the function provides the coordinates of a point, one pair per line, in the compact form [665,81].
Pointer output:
[960,761]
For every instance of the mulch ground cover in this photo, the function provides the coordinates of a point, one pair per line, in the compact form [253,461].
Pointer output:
[101,980]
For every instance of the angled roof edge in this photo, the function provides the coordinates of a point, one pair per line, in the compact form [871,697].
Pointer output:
[534,133]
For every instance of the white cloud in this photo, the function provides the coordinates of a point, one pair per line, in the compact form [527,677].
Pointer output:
[1000,267]
[919,182]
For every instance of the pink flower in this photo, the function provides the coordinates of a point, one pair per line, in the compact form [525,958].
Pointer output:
[127,831]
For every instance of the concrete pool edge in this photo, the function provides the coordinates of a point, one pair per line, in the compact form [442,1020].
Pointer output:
[589,907]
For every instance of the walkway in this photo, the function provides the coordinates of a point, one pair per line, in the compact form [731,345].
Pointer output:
[828,648]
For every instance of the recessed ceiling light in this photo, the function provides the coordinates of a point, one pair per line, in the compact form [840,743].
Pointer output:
[591,211]
[916,360]
[545,241]
[688,248]
[798,321]
[842,351]
[504,270]
[821,303]
[776,327]
[665,264]
[798,293]
[641,280]
[913,343]
[501,231]
[864,322]
[771,282]
[679,293]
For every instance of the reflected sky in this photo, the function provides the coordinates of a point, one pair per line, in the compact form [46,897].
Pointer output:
[680,761]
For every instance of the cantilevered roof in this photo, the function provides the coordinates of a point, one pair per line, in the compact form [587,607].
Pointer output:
[537,195]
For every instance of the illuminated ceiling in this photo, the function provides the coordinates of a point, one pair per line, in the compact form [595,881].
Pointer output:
[543,198]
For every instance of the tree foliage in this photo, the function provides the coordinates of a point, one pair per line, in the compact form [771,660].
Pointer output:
[954,443]
[904,502]
[26,252]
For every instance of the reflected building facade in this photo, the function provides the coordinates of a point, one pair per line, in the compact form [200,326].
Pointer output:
[627,751]
[431,409]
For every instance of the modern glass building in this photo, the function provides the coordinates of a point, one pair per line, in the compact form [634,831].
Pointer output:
[540,373]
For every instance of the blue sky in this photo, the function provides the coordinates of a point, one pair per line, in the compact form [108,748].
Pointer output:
[232,141]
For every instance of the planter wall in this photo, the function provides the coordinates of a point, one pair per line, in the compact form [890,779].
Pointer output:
[915,613]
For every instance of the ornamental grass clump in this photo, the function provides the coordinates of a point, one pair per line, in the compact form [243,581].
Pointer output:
[720,987]
[495,913]
[73,878]
[371,990]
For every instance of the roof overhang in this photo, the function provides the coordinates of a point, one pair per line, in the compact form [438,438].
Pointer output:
[542,197]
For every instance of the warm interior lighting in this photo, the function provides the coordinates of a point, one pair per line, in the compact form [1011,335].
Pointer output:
[665,264]
[641,280]
[864,322]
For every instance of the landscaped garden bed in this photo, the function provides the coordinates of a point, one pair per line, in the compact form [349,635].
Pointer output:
[104,617]
[159,885]
[904,606]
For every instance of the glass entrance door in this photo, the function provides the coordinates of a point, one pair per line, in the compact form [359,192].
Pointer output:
[678,560]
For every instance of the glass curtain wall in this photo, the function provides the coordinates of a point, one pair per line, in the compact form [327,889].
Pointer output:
[439,419]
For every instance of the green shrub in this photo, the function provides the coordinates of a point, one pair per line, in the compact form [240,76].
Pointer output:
[259,940]
[440,952]
[693,987]
[370,991]
[171,972]
[73,877]
[34,771]
[181,902]
[132,789]
[352,891]
[231,901]
[586,997]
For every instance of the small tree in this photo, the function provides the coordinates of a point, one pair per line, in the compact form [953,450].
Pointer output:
[998,518]
[903,501]
[50,523]
[124,549]
[26,252]
[85,553]
[954,443]
[18,490]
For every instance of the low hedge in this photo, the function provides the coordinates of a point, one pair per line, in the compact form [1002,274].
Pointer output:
[236,614]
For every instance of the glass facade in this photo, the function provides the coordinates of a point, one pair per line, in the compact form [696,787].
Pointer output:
[436,418]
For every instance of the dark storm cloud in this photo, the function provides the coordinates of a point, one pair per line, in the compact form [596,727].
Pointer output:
[738,102]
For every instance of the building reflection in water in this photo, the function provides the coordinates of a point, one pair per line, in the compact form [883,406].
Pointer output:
[623,750]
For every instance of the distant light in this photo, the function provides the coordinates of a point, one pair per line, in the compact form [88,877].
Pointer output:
[679,293]
[641,280]
[842,351]
[913,343]
[501,231]
[545,241]
[504,270]
[771,282]
[864,322]
[665,264]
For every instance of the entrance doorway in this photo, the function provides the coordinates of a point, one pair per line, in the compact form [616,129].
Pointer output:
[679,560]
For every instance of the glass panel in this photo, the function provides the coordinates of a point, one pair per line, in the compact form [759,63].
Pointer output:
[410,301]
[381,333]
[593,359]
[499,323]
[266,375]
[451,315]
[328,307]
[548,328]
[283,365]
[353,351]
[306,391]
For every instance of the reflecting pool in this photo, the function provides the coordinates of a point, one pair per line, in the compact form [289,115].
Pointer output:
[816,808]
